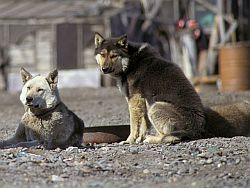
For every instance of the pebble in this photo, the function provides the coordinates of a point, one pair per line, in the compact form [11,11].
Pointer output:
[182,171]
[58,150]
[237,161]
[56,178]
[105,149]
[134,150]
[202,155]
[72,149]
[219,165]
[21,154]
[209,161]
[146,171]
[191,170]
[194,184]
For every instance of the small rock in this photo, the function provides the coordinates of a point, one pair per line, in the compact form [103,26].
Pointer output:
[237,161]
[146,171]
[59,149]
[37,158]
[105,148]
[22,154]
[193,184]
[174,179]
[170,173]
[202,155]
[229,175]
[209,161]
[56,178]
[219,165]
[183,171]
[134,150]
[72,149]
[202,162]
[23,150]
[191,170]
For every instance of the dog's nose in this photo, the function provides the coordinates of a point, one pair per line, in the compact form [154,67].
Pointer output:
[29,99]
[105,69]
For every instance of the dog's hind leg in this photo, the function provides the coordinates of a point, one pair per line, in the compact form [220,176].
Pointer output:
[171,123]
[161,139]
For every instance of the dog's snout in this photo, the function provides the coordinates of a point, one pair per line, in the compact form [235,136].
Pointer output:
[29,99]
[105,69]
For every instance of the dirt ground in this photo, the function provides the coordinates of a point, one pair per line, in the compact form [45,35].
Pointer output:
[216,162]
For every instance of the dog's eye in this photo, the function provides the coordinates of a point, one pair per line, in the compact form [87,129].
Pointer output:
[39,90]
[102,54]
[28,88]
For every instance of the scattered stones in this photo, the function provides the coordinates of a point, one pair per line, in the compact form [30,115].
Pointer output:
[215,162]
[149,163]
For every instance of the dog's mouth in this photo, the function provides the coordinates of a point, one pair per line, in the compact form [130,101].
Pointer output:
[107,70]
[31,105]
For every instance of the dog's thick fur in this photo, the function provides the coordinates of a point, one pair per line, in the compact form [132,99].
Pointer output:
[46,121]
[159,94]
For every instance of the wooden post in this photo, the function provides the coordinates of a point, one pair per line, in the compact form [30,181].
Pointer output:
[80,46]
[212,54]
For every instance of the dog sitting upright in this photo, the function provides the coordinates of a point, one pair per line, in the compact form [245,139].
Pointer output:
[159,94]
[46,121]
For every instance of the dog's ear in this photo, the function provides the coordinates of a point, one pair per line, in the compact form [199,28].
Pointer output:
[98,39]
[25,75]
[52,79]
[123,41]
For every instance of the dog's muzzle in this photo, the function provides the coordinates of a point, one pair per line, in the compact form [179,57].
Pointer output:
[29,99]
[107,70]
[30,102]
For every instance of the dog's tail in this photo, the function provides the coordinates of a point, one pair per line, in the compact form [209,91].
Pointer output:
[228,120]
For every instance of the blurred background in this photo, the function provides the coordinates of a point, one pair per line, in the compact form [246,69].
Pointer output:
[208,39]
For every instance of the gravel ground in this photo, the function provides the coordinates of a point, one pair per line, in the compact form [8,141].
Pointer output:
[216,162]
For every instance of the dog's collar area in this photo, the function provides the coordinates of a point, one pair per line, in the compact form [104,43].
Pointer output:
[46,111]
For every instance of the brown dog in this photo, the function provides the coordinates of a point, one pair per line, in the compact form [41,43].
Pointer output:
[159,94]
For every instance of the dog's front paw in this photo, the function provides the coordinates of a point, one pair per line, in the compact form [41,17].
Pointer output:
[146,140]
[139,140]
[130,140]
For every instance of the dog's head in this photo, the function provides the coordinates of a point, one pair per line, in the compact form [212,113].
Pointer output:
[112,54]
[39,92]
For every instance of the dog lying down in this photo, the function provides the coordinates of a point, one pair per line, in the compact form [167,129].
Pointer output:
[46,121]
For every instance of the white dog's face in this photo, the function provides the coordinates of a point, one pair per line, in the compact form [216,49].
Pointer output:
[39,92]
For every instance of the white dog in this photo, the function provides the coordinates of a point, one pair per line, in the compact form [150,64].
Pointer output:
[46,121]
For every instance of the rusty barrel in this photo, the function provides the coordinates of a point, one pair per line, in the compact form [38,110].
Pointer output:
[234,66]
